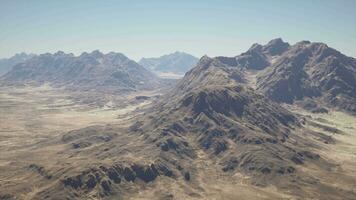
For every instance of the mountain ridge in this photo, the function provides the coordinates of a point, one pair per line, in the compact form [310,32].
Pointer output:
[112,71]
[7,63]
[288,73]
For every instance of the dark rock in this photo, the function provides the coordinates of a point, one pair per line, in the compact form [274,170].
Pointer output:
[187,176]
[290,169]
[106,185]
[311,155]
[170,144]
[164,170]
[74,182]
[142,97]
[220,147]
[266,170]
[40,170]
[129,175]
[297,159]
[113,175]
[145,173]
[91,182]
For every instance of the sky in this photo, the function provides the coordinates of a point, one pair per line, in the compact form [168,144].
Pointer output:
[151,28]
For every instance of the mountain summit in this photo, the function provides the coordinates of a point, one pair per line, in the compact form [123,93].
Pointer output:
[290,73]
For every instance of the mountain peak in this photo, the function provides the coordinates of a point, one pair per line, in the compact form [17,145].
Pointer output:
[205,57]
[276,47]
[304,42]
[114,55]
[276,41]
[96,53]
[255,47]
[61,53]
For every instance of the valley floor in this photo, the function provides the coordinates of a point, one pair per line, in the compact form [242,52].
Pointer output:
[32,115]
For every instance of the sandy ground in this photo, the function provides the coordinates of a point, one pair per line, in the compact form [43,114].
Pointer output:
[343,152]
[29,115]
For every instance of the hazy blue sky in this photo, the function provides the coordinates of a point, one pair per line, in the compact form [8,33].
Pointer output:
[154,27]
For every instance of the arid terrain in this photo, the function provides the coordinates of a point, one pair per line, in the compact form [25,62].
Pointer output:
[32,118]
[177,100]
[275,122]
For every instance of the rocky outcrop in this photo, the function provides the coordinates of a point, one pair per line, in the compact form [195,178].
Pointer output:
[108,179]
[40,170]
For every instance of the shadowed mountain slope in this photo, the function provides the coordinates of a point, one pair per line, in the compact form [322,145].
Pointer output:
[311,70]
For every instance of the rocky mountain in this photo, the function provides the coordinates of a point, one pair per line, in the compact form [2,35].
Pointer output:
[7,63]
[302,71]
[95,70]
[217,133]
[257,57]
[177,63]
[210,130]
[311,70]
[212,112]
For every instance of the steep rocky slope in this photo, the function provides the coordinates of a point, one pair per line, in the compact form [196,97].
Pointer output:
[305,71]
[239,130]
[311,70]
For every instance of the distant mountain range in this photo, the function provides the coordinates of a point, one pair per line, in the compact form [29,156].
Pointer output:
[303,72]
[7,63]
[175,63]
[95,70]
